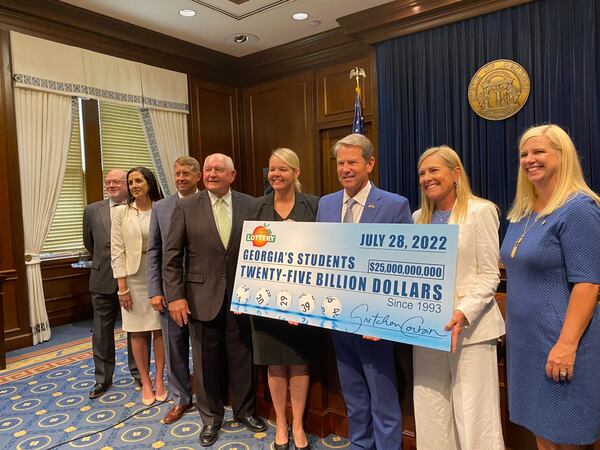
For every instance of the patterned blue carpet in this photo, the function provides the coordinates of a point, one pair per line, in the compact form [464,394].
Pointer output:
[44,404]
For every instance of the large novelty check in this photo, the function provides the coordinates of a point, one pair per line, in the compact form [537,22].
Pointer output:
[389,281]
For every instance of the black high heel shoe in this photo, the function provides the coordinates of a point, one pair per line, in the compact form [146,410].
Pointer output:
[285,446]
[306,447]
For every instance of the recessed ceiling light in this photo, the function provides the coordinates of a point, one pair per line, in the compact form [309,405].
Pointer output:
[300,16]
[187,12]
[241,38]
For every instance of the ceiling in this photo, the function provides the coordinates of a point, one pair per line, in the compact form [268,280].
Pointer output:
[217,22]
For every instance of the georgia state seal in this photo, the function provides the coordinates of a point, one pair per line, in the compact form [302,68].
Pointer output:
[499,89]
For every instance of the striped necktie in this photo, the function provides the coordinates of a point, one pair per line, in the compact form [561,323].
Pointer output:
[349,217]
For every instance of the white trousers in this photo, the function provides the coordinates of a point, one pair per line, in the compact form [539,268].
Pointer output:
[457,398]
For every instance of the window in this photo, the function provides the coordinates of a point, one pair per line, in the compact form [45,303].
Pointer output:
[123,139]
[65,233]
[119,130]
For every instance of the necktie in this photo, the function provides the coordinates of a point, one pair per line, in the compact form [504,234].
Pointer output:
[349,217]
[223,221]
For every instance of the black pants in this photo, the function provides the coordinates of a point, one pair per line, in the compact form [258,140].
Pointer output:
[221,351]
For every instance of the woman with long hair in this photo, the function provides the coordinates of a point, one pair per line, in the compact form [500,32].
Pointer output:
[129,240]
[552,261]
[456,395]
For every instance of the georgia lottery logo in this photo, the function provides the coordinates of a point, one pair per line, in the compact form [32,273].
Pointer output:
[332,307]
[306,303]
[242,294]
[260,236]
[263,297]
[283,300]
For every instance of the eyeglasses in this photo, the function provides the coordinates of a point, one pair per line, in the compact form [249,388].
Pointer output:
[113,182]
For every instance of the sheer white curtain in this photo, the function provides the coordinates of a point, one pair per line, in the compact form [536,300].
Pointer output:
[43,133]
[166,132]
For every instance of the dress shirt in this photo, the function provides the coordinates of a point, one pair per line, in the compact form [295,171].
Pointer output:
[112,205]
[226,199]
[181,196]
[359,206]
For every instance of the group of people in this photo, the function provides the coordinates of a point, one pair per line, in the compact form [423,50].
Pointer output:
[174,262]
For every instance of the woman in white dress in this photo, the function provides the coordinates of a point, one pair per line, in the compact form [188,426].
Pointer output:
[129,239]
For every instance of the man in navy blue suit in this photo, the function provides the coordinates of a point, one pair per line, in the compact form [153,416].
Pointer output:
[177,339]
[365,364]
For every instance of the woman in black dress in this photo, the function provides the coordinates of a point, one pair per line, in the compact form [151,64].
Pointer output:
[285,347]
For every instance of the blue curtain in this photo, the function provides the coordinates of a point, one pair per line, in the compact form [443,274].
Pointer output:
[423,80]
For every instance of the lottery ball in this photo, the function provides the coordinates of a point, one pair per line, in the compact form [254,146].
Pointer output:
[331,307]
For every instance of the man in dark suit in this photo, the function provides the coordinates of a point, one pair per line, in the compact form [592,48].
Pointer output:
[177,339]
[202,249]
[103,287]
[365,364]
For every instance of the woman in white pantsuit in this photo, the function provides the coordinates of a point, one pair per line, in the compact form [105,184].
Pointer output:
[456,394]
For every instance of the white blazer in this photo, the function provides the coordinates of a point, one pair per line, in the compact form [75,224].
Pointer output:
[125,241]
[477,273]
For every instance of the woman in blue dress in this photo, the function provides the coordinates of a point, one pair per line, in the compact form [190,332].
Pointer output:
[552,260]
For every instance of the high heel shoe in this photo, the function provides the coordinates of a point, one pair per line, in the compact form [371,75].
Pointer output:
[285,446]
[306,447]
[148,400]
[163,397]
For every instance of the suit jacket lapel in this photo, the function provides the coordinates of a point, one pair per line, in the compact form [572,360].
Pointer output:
[337,206]
[236,219]
[206,207]
[105,216]
[371,206]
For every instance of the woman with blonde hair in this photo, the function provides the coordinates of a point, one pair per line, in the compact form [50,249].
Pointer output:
[456,395]
[552,261]
[284,347]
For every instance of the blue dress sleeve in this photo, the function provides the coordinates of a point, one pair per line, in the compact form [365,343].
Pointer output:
[580,241]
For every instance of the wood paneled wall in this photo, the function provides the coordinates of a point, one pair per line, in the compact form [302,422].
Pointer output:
[280,114]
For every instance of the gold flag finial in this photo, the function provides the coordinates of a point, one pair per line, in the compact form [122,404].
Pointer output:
[357,73]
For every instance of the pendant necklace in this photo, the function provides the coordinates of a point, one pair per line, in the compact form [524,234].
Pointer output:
[525,230]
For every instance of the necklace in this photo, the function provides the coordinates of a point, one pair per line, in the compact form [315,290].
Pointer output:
[520,239]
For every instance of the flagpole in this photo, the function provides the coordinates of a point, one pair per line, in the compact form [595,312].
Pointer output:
[358,124]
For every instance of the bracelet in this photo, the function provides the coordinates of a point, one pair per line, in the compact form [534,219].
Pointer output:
[125,292]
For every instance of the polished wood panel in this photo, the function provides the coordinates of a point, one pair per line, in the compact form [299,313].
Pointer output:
[336,92]
[214,122]
[403,17]
[280,114]
[66,292]
[2,345]
[92,146]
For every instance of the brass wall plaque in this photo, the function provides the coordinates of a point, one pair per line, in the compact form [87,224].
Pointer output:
[499,89]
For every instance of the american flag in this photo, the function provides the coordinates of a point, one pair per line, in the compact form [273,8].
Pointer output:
[358,125]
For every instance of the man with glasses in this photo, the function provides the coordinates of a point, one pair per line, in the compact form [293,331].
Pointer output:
[103,286]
